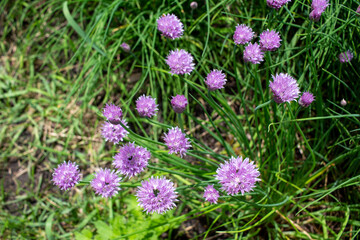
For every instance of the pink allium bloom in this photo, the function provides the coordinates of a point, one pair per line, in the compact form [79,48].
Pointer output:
[343,102]
[358,9]
[318,7]
[269,40]
[211,194]
[170,26]
[237,175]
[180,62]
[215,80]
[176,141]
[284,88]
[243,34]
[193,5]
[125,47]
[66,175]
[146,106]
[346,56]
[306,99]
[277,4]
[131,160]
[179,103]
[253,53]
[114,133]
[112,113]
[106,183]
[156,195]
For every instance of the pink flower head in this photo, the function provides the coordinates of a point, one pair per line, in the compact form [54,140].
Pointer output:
[306,99]
[237,175]
[277,4]
[269,40]
[346,56]
[358,9]
[243,34]
[180,62]
[66,175]
[112,113]
[125,47]
[146,106]
[179,103]
[170,26]
[193,5]
[215,80]
[156,195]
[114,133]
[318,7]
[211,194]
[253,53]
[284,88]
[176,141]
[106,183]
[131,160]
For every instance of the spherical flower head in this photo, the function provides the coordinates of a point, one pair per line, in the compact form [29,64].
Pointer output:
[112,113]
[146,106]
[131,160]
[170,26]
[343,102]
[180,62]
[253,53]
[215,80]
[177,142]
[243,34]
[114,133]
[237,175]
[193,5]
[318,7]
[211,194]
[358,9]
[284,88]
[306,99]
[179,103]
[346,56]
[277,4]
[106,183]
[269,40]
[156,195]
[66,175]
[125,47]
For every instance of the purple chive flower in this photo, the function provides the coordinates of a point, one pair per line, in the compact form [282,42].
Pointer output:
[112,113]
[343,102]
[211,194]
[156,195]
[306,99]
[215,80]
[253,53]
[237,175]
[66,175]
[146,106]
[179,103]
[131,160]
[318,7]
[125,47]
[176,141]
[243,34]
[284,88]
[180,62]
[106,183]
[170,26]
[193,5]
[346,56]
[277,4]
[358,9]
[114,133]
[269,40]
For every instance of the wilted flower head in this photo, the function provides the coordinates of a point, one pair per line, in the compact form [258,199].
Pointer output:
[346,56]
[211,194]
[170,26]
[66,175]
[146,106]
[306,99]
[176,141]
[277,4]
[284,88]
[114,133]
[180,62]
[112,113]
[131,160]
[343,102]
[237,175]
[125,47]
[215,80]
[243,34]
[318,7]
[156,195]
[253,54]
[269,40]
[106,183]
[193,5]
[179,103]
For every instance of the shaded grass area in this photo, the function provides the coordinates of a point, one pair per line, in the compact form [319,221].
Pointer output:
[61,62]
